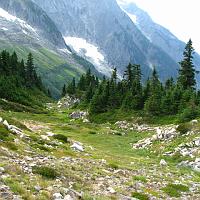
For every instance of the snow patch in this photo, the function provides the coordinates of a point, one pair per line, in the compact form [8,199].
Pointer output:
[4,14]
[4,29]
[131,16]
[89,52]
[65,51]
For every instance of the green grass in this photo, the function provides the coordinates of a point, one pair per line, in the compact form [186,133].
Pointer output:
[174,190]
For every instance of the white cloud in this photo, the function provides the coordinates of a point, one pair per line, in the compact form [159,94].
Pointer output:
[181,17]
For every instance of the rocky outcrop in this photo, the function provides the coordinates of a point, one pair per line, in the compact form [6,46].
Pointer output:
[68,101]
[13,129]
[78,115]
[165,133]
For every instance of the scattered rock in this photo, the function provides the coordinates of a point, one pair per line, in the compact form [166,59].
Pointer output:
[67,102]
[37,188]
[78,115]
[162,134]
[57,196]
[86,121]
[163,163]
[45,137]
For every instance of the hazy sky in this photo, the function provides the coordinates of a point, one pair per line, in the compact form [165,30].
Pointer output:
[181,17]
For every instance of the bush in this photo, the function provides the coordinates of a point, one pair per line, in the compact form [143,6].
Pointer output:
[174,190]
[46,172]
[183,129]
[11,146]
[140,196]
[113,166]
[92,132]
[61,137]
[140,178]
[4,133]
[188,114]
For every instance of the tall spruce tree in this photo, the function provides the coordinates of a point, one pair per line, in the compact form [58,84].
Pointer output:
[187,71]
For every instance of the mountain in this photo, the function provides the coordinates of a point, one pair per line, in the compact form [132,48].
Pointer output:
[25,27]
[103,26]
[157,34]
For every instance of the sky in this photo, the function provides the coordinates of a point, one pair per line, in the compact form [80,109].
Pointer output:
[181,17]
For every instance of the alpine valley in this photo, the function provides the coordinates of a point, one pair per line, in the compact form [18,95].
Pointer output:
[97,102]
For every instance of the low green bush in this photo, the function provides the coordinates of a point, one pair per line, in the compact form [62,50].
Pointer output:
[4,133]
[174,190]
[92,132]
[61,137]
[113,166]
[140,178]
[140,196]
[46,172]
[183,129]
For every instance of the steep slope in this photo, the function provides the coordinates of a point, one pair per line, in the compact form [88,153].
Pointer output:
[156,33]
[25,27]
[104,25]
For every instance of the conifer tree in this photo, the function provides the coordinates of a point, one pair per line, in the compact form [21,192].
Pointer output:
[187,71]
[64,91]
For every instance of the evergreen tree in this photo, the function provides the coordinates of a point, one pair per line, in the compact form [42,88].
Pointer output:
[187,72]
[71,89]
[64,91]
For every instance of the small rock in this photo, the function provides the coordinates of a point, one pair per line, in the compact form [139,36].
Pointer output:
[111,190]
[57,196]
[6,124]
[68,197]
[86,121]
[44,137]
[2,170]
[77,146]
[37,188]
[163,163]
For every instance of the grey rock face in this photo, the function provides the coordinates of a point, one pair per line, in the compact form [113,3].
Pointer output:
[157,34]
[104,24]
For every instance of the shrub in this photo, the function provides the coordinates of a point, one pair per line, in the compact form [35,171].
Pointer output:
[174,190]
[61,137]
[140,196]
[11,146]
[140,178]
[113,166]
[46,172]
[4,133]
[92,132]
[183,129]
[188,114]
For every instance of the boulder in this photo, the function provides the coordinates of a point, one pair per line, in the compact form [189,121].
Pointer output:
[57,196]
[1,119]
[68,197]
[77,146]
[45,137]
[78,114]
[6,124]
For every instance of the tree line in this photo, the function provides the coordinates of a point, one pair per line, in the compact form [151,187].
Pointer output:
[18,78]
[153,97]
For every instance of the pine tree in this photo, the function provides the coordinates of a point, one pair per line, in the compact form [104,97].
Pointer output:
[187,72]
[71,89]
[64,91]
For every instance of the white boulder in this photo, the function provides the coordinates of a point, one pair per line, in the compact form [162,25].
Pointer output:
[77,146]
[163,163]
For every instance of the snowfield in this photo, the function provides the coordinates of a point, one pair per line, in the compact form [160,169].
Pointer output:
[89,52]
[7,16]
